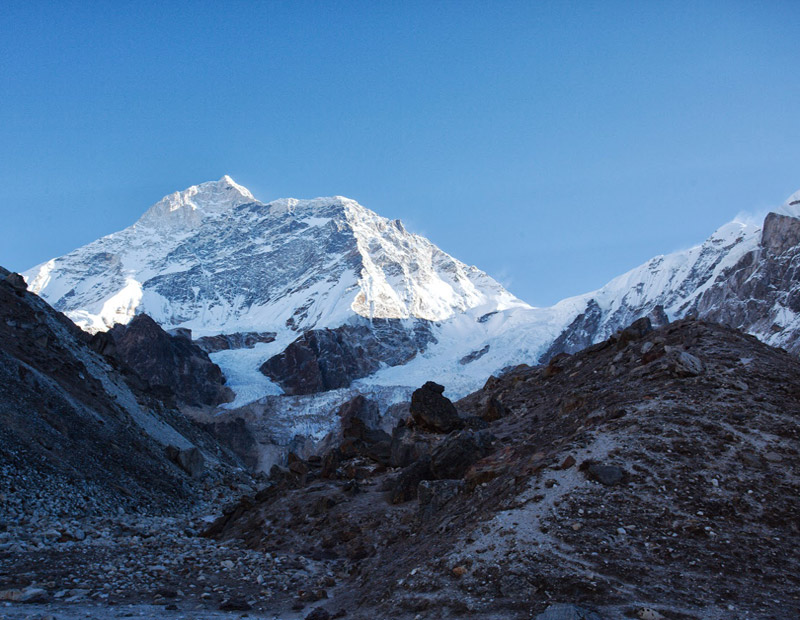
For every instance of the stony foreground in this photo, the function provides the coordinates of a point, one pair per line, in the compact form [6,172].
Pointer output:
[654,475]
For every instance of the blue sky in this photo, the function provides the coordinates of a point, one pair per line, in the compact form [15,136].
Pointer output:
[553,144]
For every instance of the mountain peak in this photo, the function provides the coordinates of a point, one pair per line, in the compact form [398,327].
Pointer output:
[187,208]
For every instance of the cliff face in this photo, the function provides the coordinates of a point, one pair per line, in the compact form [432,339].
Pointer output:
[760,294]
[328,359]
[173,365]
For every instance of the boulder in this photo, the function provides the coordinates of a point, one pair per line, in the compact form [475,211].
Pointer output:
[564,611]
[433,494]
[433,411]
[608,475]
[406,484]
[636,330]
[319,613]
[494,410]
[409,445]
[687,365]
[190,460]
[453,457]
[359,417]
[30,594]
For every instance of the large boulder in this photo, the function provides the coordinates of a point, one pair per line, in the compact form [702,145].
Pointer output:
[453,457]
[359,417]
[190,460]
[409,445]
[433,411]
[406,484]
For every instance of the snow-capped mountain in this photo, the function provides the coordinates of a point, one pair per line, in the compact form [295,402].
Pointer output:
[305,303]
[743,275]
[214,259]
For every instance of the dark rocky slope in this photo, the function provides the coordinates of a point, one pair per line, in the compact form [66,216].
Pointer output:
[653,475]
[78,435]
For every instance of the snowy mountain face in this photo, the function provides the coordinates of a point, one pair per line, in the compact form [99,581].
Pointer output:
[325,298]
[215,260]
[745,276]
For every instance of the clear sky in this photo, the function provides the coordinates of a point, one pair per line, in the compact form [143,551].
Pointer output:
[553,144]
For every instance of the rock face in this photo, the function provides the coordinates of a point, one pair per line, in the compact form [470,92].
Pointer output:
[239,340]
[760,294]
[76,434]
[743,275]
[615,467]
[780,233]
[433,411]
[327,359]
[165,363]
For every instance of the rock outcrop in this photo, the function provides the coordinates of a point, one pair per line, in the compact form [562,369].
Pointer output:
[327,359]
[166,363]
[433,411]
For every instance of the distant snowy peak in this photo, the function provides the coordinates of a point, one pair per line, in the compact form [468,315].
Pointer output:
[187,209]
[216,260]
[792,206]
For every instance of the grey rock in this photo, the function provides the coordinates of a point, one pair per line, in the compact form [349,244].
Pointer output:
[190,460]
[687,365]
[565,611]
[407,483]
[433,494]
[454,456]
[16,281]
[318,613]
[409,445]
[608,475]
[30,594]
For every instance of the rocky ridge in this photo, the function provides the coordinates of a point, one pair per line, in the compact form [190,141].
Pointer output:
[80,433]
[652,475]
